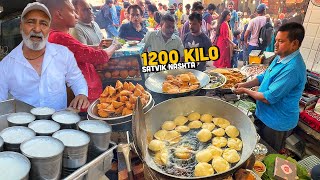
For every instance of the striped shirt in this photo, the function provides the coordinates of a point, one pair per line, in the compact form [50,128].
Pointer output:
[88,34]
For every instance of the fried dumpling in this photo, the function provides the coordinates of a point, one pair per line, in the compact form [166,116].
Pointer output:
[207,118]
[215,151]
[125,93]
[218,132]
[126,111]
[103,113]
[138,86]
[156,145]
[209,126]
[119,85]
[203,169]
[195,124]
[232,131]
[126,86]
[182,129]
[184,77]
[161,157]
[117,104]
[131,87]
[180,120]
[183,152]
[231,155]
[204,155]
[204,135]
[173,137]
[219,141]
[137,92]
[235,143]
[161,134]
[220,165]
[168,125]
[221,122]
[194,116]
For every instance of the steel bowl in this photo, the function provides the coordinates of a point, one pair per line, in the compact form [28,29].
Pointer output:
[20,119]
[215,78]
[42,112]
[66,119]
[93,110]
[172,108]
[244,70]
[45,155]
[20,169]
[155,81]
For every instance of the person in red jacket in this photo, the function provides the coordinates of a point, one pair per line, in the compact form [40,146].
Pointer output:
[63,18]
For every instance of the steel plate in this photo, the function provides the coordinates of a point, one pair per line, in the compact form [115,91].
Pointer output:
[155,81]
[214,78]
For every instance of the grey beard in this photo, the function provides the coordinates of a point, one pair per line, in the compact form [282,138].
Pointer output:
[36,46]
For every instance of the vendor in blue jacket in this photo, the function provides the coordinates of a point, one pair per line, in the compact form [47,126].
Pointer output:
[281,87]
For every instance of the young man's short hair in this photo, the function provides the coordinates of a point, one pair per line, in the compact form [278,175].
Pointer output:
[195,16]
[188,6]
[135,6]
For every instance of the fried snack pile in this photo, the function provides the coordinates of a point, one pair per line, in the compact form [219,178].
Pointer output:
[180,84]
[121,100]
[196,145]
[233,77]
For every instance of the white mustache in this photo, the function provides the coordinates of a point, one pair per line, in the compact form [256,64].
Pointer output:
[33,34]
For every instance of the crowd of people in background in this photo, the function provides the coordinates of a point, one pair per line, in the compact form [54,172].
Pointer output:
[195,25]
[236,35]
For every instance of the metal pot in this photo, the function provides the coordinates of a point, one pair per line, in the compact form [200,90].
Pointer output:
[14,166]
[66,119]
[45,154]
[99,132]
[121,123]
[44,127]
[14,136]
[75,147]
[1,144]
[20,119]
[42,112]
[172,108]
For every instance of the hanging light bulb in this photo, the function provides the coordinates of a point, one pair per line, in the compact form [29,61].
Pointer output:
[254,2]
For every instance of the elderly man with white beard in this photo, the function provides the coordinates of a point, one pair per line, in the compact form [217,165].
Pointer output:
[36,71]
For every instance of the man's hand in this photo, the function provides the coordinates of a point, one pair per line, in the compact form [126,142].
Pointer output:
[239,85]
[103,44]
[80,102]
[240,90]
[114,46]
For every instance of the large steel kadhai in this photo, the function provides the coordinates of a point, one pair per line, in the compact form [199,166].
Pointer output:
[170,109]
[155,81]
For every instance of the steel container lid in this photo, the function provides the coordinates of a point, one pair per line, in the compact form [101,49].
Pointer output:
[17,134]
[42,147]
[72,138]
[13,165]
